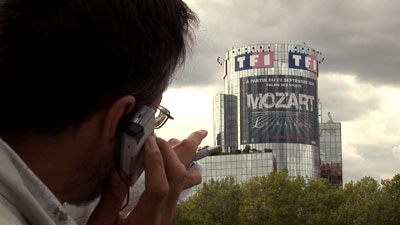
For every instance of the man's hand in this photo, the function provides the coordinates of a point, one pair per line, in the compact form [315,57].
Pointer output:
[166,166]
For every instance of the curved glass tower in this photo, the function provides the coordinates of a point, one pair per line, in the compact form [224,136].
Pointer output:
[271,103]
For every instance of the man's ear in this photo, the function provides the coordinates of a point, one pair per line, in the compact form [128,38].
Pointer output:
[113,116]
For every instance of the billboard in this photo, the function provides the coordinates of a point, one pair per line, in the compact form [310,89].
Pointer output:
[303,61]
[254,60]
[278,108]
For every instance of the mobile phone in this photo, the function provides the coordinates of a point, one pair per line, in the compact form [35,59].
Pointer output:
[140,126]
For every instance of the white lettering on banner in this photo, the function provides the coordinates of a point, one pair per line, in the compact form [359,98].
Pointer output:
[264,100]
[253,60]
[308,62]
[315,63]
[252,101]
[280,100]
[297,59]
[293,101]
[267,60]
[241,61]
[303,100]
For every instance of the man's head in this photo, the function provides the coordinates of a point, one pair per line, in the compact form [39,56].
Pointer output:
[63,61]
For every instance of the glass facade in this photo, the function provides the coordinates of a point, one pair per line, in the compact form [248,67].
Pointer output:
[272,91]
[240,166]
[331,152]
[225,121]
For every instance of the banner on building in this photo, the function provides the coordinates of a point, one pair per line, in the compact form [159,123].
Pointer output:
[303,61]
[254,60]
[278,109]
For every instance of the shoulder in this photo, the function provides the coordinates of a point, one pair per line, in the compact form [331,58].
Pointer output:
[9,214]
[9,176]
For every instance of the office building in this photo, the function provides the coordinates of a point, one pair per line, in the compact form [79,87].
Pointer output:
[331,152]
[240,166]
[225,122]
[270,103]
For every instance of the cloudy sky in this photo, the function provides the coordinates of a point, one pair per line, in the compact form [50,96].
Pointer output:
[359,80]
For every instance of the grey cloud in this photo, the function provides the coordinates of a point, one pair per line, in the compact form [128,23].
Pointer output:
[377,161]
[357,37]
[201,67]
[375,152]
[360,38]
[346,100]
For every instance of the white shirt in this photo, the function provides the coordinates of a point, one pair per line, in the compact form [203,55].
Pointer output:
[24,199]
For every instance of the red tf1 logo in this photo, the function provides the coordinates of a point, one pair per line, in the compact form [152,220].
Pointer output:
[254,60]
[303,61]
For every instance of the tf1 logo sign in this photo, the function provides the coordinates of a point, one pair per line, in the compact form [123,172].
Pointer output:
[254,60]
[303,61]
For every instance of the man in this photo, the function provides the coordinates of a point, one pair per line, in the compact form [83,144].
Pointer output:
[70,72]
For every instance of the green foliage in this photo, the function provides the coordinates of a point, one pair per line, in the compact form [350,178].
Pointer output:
[247,149]
[320,202]
[278,198]
[217,201]
[267,150]
[389,201]
[359,206]
[270,199]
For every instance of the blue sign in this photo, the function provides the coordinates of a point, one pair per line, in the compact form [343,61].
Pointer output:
[303,61]
[254,60]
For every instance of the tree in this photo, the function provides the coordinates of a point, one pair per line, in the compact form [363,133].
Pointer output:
[267,150]
[359,206]
[247,149]
[278,198]
[389,201]
[320,202]
[271,199]
[217,202]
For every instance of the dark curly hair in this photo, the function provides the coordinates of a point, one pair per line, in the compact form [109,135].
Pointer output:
[63,60]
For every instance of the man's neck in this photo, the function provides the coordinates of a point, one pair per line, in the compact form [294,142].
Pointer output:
[73,164]
[55,159]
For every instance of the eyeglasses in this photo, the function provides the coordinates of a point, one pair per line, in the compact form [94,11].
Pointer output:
[161,116]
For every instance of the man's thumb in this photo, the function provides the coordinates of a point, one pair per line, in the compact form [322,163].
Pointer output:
[112,198]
